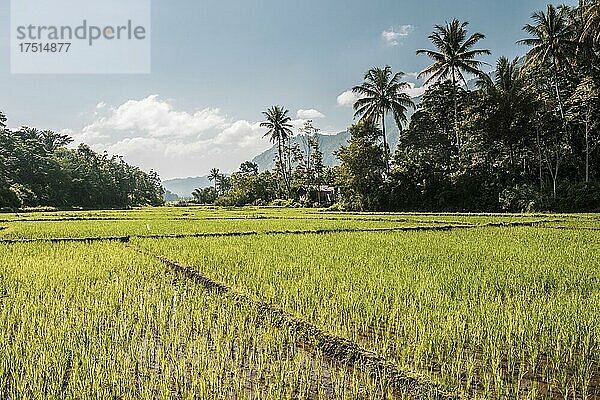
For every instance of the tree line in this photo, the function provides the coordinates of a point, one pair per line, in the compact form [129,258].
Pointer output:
[37,169]
[296,179]
[522,137]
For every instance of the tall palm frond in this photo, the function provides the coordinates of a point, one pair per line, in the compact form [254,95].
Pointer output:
[278,124]
[553,38]
[279,130]
[455,56]
[381,92]
[553,44]
[214,176]
[591,22]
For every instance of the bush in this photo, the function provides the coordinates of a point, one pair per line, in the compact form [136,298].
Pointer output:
[519,198]
[581,197]
[260,203]
[184,203]
[9,198]
[230,200]
[337,207]
[289,203]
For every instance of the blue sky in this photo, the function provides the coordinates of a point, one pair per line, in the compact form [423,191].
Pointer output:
[217,64]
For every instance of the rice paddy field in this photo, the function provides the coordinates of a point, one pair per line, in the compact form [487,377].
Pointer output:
[267,303]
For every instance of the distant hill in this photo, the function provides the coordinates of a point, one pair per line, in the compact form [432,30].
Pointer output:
[183,187]
[170,196]
[329,145]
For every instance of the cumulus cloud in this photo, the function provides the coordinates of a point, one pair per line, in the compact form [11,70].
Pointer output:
[153,134]
[415,91]
[156,118]
[394,35]
[297,124]
[309,114]
[347,99]
[241,133]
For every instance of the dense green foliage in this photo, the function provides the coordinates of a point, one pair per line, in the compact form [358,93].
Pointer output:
[250,188]
[360,176]
[36,169]
[526,138]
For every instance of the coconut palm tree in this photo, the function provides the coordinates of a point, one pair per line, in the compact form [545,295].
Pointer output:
[552,45]
[197,194]
[382,92]
[512,103]
[214,176]
[591,21]
[454,57]
[224,183]
[279,130]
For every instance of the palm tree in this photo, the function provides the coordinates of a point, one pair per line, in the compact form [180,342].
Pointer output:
[214,176]
[552,45]
[279,130]
[224,183]
[380,93]
[591,21]
[508,92]
[454,57]
[198,194]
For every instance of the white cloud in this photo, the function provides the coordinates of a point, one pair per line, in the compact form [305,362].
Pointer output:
[309,114]
[347,99]
[152,134]
[394,35]
[415,91]
[156,118]
[100,105]
[297,124]
[241,133]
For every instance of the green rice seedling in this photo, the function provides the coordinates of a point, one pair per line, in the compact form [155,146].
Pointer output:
[102,321]
[490,311]
[487,312]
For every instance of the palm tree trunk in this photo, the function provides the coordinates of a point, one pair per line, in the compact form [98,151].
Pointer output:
[560,105]
[281,166]
[455,99]
[385,146]
[558,98]
[539,146]
[289,160]
[309,175]
[587,145]
[553,169]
